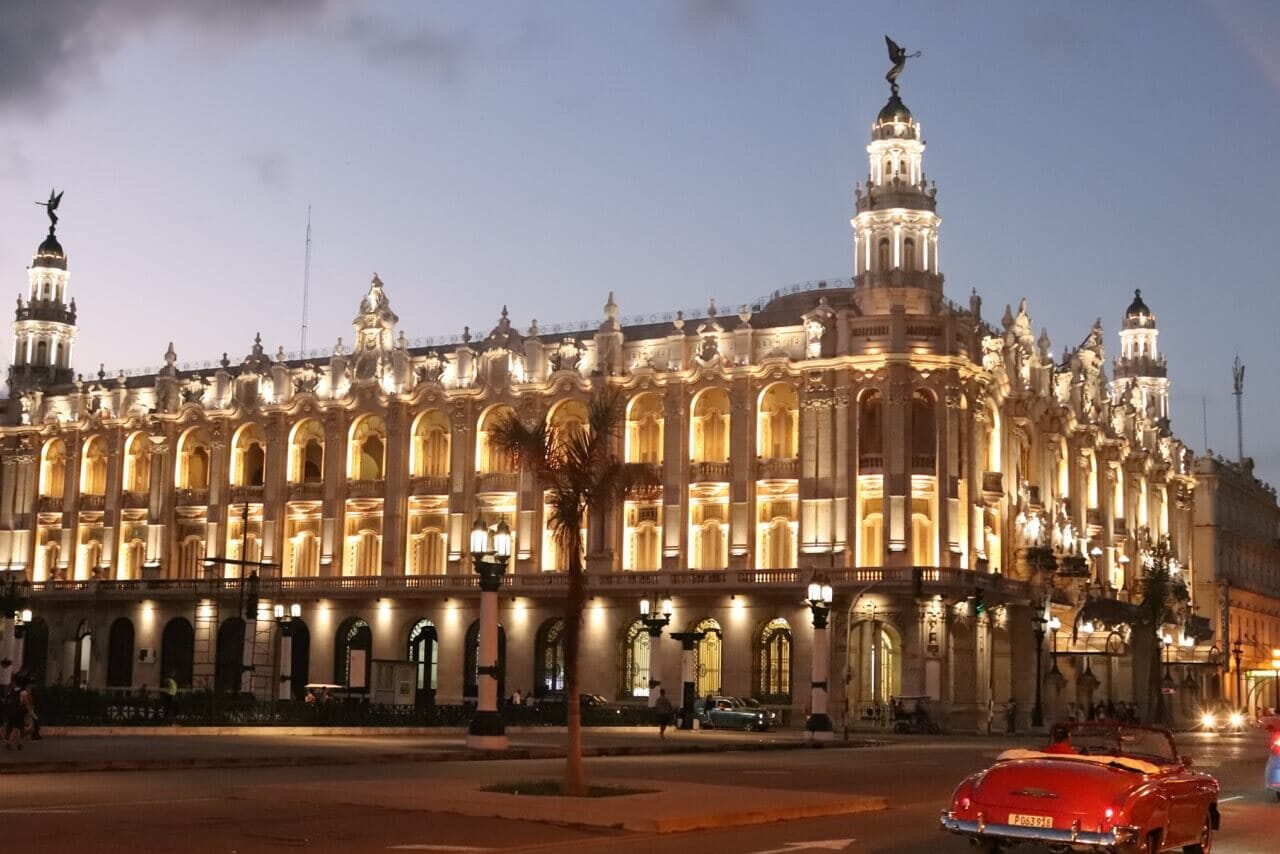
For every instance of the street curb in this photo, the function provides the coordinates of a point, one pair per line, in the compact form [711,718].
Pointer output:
[459,754]
[848,806]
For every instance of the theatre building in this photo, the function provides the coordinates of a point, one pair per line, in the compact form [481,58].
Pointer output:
[956,482]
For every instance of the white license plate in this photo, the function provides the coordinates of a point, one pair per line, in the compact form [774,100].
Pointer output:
[1021,820]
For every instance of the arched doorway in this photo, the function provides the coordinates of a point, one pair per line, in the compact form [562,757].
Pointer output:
[353,649]
[120,654]
[35,651]
[874,671]
[424,651]
[82,654]
[772,662]
[300,658]
[707,658]
[470,664]
[229,663]
[548,658]
[178,651]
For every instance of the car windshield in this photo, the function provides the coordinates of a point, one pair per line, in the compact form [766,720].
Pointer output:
[1151,745]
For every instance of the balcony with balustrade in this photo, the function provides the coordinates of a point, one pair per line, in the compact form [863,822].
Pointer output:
[778,468]
[191,497]
[497,481]
[429,485]
[710,472]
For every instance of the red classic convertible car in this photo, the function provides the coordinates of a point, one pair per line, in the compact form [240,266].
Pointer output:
[1096,787]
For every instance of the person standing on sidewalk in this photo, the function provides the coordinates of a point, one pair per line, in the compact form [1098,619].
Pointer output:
[19,714]
[665,712]
[1011,717]
[168,696]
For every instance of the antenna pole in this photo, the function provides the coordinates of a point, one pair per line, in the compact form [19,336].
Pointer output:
[1237,382]
[1204,418]
[306,285]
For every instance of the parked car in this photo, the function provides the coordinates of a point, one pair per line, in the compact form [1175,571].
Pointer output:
[1107,787]
[753,704]
[730,713]
[1271,778]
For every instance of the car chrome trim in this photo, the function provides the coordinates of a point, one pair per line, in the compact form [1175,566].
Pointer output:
[1034,793]
[1117,836]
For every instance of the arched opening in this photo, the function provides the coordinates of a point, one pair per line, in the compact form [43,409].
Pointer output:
[53,468]
[300,658]
[871,432]
[178,651]
[636,651]
[191,557]
[353,648]
[424,652]
[568,418]
[303,555]
[548,658]
[924,433]
[427,551]
[137,463]
[83,654]
[778,423]
[489,459]
[471,662]
[306,453]
[885,255]
[42,353]
[710,542]
[777,549]
[875,670]
[35,651]
[366,458]
[909,254]
[120,654]
[93,467]
[644,429]
[249,456]
[707,658]
[193,459]
[772,661]
[710,439]
[430,453]
[228,663]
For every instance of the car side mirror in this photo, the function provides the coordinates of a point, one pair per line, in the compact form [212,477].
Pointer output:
[1186,762]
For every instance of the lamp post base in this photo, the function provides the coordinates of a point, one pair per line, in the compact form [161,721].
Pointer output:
[818,728]
[487,732]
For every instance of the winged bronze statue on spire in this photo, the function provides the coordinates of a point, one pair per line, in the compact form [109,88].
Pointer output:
[51,207]
[898,56]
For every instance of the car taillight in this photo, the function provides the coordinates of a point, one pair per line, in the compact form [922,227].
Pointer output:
[1275,747]
[1108,813]
[965,803]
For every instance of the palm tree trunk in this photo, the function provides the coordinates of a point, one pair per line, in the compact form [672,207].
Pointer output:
[575,780]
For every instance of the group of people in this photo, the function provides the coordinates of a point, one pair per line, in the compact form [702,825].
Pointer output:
[20,721]
[521,698]
[1119,711]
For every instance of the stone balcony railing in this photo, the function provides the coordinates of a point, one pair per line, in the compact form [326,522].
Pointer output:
[132,500]
[1119,526]
[992,485]
[923,463]
[1093,517]
[710,472]
[870,463]
[429,485]
[313,491]
[366,488]
[246,494]
[92,502]
[50,504]
[191,497]
[497,481]
[778,468]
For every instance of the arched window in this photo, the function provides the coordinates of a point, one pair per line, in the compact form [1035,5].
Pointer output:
[193,459]
[93,467]
[490,460]
[777,431]
[367,456]
[909,254]
[871,533]
[644,546]
[644,429]
[427,552]
[42,353]
[471,661]
[177,651]
[548,658]
[710,545]
[711,426]
[353,648]
[137,463]
[83,654]
[706,658]
[191,557]
[773,662]
[120,654]
[885,255]
[300,650]
[924,433]
[229,663]
[53,468]
[364,553]
[132,554]
[424,651]
[778,544]
[636,650]
[249,456]
[430,457]
[306,453]
[922,535]
[568,418]
[871,432]
[302,555]
[46,559]
[35,651]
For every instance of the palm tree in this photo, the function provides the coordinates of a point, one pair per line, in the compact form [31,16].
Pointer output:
[579,472]
[1160,594]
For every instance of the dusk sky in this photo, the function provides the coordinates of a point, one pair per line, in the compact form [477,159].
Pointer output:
[543,154]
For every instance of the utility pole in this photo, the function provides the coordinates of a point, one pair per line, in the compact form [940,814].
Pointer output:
[1237,381]
[249,586]
[306,286]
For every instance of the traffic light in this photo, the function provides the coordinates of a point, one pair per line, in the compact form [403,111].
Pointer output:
[979,604]
[251,597]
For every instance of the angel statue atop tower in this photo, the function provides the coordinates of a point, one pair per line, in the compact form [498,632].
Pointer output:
[898,56]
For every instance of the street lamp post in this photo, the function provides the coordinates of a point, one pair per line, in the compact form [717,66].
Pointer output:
[21,620]
[655,623]
[1237,652]
[1096,554]
[489,556]
[284,619]
[1038,623]
[818,726]
[687,640]
[13,600]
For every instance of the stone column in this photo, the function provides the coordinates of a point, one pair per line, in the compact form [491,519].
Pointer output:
[487,731]
[284,690]
[818,726]
[687,640]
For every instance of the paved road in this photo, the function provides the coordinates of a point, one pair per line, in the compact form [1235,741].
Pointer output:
[276,809]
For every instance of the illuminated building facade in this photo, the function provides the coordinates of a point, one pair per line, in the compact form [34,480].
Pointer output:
[948,475]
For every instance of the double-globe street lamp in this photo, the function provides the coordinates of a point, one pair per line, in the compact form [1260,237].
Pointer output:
[818,726]
[1237,652]
[285,615]
[489,554]
[654,624]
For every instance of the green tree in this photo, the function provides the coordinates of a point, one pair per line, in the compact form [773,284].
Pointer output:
[580,472]
[1161,593]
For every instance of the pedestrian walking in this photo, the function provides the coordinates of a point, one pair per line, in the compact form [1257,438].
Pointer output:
[19,714]
[665,712]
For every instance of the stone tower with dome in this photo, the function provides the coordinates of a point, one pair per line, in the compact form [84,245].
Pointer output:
[1141,370]
[44,326]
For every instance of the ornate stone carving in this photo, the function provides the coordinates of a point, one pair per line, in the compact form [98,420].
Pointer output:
[193,389]
[567,356]
[431,369]
[306,380]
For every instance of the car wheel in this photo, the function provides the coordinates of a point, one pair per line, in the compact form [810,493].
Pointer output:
[752,726]
[1205,845]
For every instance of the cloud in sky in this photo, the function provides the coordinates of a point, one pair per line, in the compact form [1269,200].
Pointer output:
[710,15]
[381,41]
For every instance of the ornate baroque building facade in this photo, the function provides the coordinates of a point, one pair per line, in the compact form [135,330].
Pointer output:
[949,475]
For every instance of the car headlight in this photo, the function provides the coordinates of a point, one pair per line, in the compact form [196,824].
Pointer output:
[1207,720]
[1237,719]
